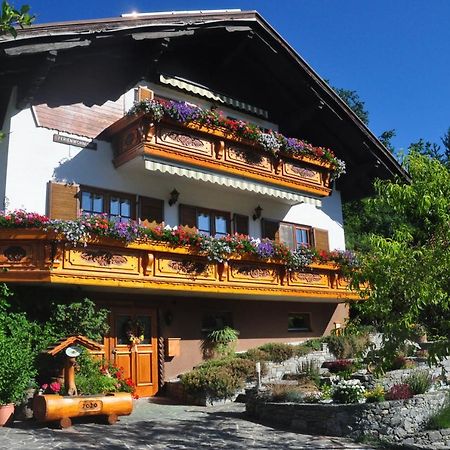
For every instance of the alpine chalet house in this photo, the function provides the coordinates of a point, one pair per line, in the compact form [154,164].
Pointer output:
[189,132]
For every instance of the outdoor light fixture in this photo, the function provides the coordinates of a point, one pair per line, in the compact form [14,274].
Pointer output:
[258,211]
[173,197]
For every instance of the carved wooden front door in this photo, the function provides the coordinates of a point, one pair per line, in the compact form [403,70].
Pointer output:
[133,346]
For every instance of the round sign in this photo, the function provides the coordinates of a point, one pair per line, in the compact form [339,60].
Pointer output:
[73,352]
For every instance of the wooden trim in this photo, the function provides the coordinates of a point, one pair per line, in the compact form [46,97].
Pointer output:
[62,200]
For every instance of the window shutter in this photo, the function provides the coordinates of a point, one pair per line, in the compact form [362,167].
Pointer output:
[62,201]
[240,224]
[269,228]
[188,216]
[144,93]
[321,239]
[286,235]
[151,209]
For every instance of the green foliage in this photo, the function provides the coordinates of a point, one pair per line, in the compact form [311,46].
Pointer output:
[284,393]
[17,356]
[354,102]
[11,17]
[419,381]
[313,344]
[220,342]
[386,138]
[242,367]
[81,318]
[348,391]
[375,395]
[348,345]
[440,420]
[404,273]
[216,382]
[310,370]
[277,352]
[89,378]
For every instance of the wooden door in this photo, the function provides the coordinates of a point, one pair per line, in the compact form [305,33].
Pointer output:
[139,359]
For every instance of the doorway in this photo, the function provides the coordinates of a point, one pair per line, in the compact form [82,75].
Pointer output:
[133,345]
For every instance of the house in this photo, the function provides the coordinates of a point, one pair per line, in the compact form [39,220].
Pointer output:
[72,149]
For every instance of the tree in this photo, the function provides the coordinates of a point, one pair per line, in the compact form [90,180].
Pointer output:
[11,18]
[354,102]
[405,267]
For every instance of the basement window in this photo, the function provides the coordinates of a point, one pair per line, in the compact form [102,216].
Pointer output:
[299,322]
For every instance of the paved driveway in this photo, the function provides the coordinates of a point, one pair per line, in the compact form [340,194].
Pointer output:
[160,426]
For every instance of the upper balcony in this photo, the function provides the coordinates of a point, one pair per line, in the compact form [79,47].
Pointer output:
[168,261]
[189,137]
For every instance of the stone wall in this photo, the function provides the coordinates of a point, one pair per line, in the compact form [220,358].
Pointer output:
[395,421]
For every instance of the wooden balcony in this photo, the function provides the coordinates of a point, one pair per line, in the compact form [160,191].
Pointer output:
[35,256]
[215,149]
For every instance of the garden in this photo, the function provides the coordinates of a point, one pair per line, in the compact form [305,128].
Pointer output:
[27,370]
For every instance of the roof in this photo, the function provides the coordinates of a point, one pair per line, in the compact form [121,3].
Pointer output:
[64,343]
[215,49]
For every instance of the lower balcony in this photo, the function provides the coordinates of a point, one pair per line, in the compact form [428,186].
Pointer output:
[36,256]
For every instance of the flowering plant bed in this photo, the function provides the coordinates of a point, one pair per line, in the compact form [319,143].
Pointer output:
[85,228]
[271,142]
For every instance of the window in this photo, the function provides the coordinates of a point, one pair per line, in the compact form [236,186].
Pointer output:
[299,322]
[208,221]
[117,206]
[216,320]
[295,235]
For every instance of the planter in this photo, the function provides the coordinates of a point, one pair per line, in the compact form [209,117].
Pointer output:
[6,414]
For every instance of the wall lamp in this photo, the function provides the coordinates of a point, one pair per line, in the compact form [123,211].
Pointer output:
[173,197]
[258,211]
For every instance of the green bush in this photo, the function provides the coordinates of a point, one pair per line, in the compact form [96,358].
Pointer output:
[217,382]
[241,367]
[255,354]
[314,344]
[277,352]
[302,350]
[419,381]
[348,345]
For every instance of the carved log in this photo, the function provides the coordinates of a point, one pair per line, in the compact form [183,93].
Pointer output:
[219,148]
[49,408]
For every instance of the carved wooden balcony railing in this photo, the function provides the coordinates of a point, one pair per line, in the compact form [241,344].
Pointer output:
[215,149]
[30,256]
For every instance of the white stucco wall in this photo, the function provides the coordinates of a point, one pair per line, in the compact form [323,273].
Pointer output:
[34,159]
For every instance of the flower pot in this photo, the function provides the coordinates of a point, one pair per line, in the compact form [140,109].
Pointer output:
[6,414]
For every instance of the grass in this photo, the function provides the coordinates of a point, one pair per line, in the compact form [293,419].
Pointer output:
[441,419]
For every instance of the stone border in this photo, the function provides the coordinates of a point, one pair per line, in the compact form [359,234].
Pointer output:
[394,421]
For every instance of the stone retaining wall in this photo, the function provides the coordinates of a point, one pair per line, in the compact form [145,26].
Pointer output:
[395,421]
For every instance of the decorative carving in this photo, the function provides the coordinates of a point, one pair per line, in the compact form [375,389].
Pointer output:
[14,253]
[247,156]
[303,172]
[147,263]
[222,269]
[187,267]
[219,149]
[254,272]
[184,139]
[306,277]
[103,258]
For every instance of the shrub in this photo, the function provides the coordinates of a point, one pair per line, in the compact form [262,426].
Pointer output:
[348,345]
[400,391]
[216,382]
[277,352]
[348,391]
[283,393]
[302,350]
[419,381]
[375,395]
[314,344]
[342,367]
[255,354]
[241,367]
[79,318]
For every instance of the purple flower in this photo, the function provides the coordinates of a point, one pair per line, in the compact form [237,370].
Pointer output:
[265,249]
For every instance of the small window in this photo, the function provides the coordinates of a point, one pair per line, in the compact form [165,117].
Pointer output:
[299,322]
[291,234]
[207,221]
[216,320]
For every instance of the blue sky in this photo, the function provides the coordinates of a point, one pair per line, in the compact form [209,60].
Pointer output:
[394,53]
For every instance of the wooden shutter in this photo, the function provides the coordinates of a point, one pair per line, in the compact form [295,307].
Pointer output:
[188,216]
[240,224]
[144,93]
[269,228]
[286,235]
[321,239]
[62,200]
[151,209]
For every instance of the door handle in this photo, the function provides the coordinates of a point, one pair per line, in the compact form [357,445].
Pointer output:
[114,351]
